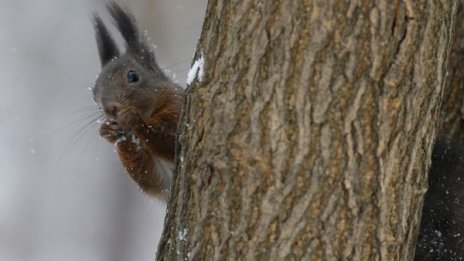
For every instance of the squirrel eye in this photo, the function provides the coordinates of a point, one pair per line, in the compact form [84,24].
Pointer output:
[132,76]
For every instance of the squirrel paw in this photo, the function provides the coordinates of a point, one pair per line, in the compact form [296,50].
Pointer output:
[111,131]
[129,119]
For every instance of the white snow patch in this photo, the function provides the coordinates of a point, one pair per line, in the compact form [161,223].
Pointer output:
[182,235]
[136,141]
[122,138]
[196,71]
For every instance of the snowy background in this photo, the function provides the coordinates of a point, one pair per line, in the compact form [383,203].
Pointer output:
[63,195]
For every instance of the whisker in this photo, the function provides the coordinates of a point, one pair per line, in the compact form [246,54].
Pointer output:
[182,70]
[174,64]
[96,138]
[83,110]
[81,132]
[93,139]
[79,83]
[77,121]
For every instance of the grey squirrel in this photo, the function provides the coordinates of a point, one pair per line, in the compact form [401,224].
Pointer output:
[441,233]
[140,103]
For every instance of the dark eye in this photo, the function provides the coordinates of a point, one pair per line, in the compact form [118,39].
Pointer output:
[132,76]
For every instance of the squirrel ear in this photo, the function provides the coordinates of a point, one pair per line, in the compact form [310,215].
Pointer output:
[125,23]
[107,48]
[148,57]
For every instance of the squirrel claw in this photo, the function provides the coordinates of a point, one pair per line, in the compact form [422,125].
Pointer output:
[111,131]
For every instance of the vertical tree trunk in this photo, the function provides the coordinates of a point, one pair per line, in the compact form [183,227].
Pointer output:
[452,113]
[308,136]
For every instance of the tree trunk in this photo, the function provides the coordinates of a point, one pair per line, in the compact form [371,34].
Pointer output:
[452,113]
[309,134]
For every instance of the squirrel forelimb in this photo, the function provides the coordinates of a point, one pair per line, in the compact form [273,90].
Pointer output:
[140,103]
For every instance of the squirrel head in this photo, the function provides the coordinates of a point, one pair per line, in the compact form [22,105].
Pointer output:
[131,79]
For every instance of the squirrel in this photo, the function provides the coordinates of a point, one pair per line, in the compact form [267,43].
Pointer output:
[141,105]
[441,232]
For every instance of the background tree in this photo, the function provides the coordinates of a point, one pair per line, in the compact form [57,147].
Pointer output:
[308,134]
[452,113]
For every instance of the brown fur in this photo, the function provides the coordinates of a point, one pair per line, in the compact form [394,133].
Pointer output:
[140,103]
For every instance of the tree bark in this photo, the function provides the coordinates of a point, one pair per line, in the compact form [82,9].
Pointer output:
[452,113]
[309,134]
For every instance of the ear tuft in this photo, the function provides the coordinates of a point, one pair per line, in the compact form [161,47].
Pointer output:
[135,43]
[107,48]
[125,24]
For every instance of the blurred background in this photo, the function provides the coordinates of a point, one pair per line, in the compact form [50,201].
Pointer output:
[63,194]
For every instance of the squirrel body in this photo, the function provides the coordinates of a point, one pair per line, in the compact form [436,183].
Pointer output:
[140,103]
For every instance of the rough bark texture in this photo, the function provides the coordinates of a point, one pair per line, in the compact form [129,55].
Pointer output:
[452,114]
[309,132]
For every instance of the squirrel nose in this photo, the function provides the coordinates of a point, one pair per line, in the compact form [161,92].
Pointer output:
[111,110]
